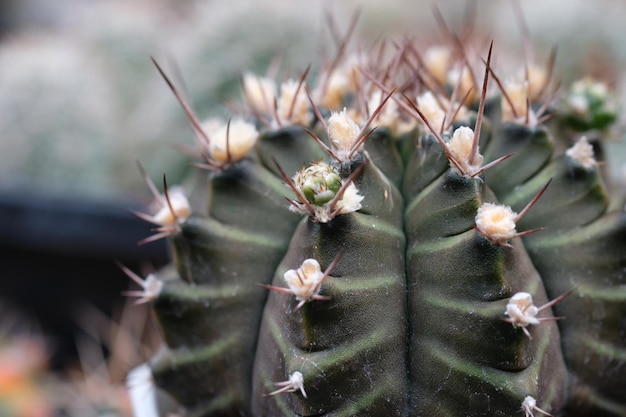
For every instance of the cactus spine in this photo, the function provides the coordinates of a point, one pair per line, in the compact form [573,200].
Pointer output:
[380,248]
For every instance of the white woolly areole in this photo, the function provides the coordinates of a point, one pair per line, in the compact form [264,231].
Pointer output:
[152,286]
[230,143]
[299,102]
[305,282]
[521,310]
[178,212]
[388,115]
[350,201]
[260,92]
[297,382]
[293,384]
[582,152]
[518,94]
[463,76]
[343,133]
[460,147]
[529,406]
[496,222]
[437,60]
[337,86]
[431,110]
[529,403]
[462,113]
[537,80]
[341,81]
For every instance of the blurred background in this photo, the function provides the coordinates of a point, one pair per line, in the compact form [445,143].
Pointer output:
[81,103]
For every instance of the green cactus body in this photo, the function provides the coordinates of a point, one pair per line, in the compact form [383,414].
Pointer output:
[350,333]
[396,291]
[220,259]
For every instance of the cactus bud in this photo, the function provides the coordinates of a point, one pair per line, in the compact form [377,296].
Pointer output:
[319,183]
[589,105]
[325,192]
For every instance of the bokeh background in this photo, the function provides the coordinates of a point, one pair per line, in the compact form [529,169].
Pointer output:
[81,103]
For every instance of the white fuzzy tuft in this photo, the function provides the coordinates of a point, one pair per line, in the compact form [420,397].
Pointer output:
[521,310]
[437,60]
[260,93]
[515,110]
[295,383]
[350,201]
[529,406]
[179,211]
[496,222]
[343,132]
[537,79]
[388,115]
[582,152]
[431,110]
[462,76]
[230,143]
[460,147]
[293,97]
[305,282]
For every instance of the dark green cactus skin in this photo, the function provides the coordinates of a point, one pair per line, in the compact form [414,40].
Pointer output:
[213,297]
[414,324]
[456,327]
[351,333]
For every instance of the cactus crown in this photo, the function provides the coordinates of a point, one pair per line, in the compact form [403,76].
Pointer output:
[400,275]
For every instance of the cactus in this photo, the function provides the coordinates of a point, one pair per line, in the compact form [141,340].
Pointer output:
[417,236]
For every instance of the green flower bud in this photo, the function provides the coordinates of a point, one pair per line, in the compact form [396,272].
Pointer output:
[319,183]
[589,105]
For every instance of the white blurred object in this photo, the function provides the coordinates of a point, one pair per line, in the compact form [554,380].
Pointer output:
[142,392]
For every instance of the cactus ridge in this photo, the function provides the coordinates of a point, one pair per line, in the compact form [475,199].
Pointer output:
[409,319]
